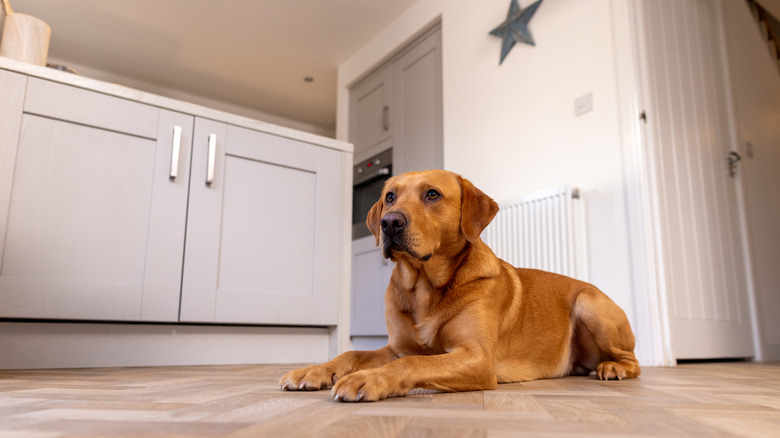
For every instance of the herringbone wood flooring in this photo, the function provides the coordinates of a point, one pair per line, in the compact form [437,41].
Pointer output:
[724,399]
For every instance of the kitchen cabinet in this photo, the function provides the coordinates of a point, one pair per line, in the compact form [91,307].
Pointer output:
[370,116]
[399,106]
[92,224]
[370,277]
[405,96]
[262,240]
[107,214]
[417,109]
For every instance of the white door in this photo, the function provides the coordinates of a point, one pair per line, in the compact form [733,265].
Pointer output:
[691,128]
[263,237]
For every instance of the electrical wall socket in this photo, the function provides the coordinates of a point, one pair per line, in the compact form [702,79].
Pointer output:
[583,104]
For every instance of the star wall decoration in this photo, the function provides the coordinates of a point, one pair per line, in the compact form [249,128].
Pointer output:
[515,28]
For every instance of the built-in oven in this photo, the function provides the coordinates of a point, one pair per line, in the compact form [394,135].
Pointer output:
[368,178]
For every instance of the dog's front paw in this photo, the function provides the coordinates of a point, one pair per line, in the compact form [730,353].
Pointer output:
[367,385]
[612,371]
[308,379]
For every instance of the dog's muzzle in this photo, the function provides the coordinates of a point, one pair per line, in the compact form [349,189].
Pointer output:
[393,223]
[396,237]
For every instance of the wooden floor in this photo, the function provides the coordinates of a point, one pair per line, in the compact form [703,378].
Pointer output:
[724,399]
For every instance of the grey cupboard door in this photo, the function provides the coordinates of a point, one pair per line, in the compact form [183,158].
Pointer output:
[263,236]
[93,224]
[414,79]
[418,138]
[371,113]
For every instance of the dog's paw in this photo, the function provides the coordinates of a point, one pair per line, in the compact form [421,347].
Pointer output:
[367,385]
[308,379]
[612,371]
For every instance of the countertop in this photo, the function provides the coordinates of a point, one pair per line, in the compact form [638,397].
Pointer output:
[168,103]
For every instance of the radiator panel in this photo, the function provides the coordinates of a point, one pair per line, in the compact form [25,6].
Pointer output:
[542,230]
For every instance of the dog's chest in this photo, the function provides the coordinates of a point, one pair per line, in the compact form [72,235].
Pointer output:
[420,303]
[422,311]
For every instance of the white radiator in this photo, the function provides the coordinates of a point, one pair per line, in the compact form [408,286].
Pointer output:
[542,230]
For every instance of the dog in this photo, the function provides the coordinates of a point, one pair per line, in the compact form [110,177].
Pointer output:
[461,319]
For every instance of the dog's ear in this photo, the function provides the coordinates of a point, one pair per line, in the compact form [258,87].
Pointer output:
[374,218]
[476,210]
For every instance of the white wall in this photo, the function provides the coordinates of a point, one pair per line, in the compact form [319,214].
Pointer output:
[756,89]
[511,129]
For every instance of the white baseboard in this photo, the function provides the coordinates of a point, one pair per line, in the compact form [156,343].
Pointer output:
[771,352]
[27,345]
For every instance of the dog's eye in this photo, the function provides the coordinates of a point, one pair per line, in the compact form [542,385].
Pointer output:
[432,194]
[389,197]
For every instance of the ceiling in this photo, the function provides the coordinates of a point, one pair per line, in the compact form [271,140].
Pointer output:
[252,54]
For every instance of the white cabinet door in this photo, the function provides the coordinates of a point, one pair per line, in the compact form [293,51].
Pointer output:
[93,225]
[263,238]
[370,277]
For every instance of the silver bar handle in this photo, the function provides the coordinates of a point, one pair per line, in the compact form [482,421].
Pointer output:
[211,158]
[175,149]
[386,118]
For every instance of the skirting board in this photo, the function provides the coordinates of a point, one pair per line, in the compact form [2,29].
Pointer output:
[30,345]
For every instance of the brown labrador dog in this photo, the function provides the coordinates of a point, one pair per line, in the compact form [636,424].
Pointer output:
[461,319]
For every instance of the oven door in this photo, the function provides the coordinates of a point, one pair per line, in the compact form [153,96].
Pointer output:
[364,196]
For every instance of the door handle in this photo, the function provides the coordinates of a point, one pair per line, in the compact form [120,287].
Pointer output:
[386,118]
[175,148]
[734,159]
[212,155]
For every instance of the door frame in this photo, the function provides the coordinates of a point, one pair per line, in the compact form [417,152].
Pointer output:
[635,107]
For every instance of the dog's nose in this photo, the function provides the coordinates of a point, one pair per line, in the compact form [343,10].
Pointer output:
[393,223]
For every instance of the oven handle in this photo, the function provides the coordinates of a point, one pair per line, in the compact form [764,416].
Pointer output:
[376,174]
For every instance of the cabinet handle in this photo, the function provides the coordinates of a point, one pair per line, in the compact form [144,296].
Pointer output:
[175,152]
[212,157]
[386,118]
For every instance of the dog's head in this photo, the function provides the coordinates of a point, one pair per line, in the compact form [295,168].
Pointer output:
[422,214]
